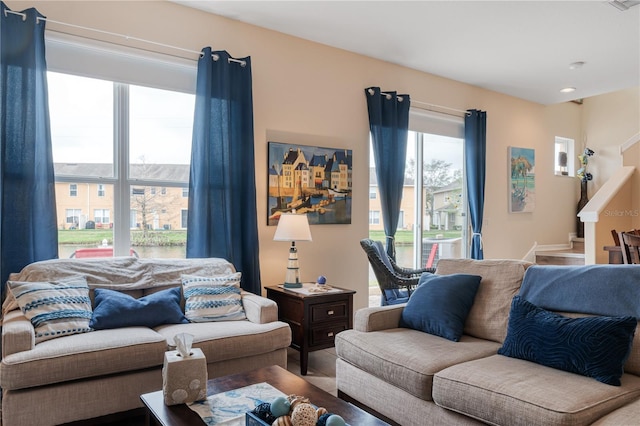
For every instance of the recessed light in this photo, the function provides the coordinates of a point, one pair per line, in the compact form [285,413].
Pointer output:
[576,65]
[568,90]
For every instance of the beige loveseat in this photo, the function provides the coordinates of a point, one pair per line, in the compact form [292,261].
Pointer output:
[82,376]
[415,378]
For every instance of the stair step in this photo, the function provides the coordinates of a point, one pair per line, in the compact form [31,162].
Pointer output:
[560,257]
[578,244]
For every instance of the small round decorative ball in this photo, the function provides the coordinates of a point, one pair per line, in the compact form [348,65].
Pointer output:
[322,280]
[295,400]
[335,420]
[280,406]
[264,412]
[282,421]
[322,420]
[320,411]
[304,415]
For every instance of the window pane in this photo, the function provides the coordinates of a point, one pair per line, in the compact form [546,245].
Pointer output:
[81,114]
[161,126]
[445,209]
[157,222]
[85,221]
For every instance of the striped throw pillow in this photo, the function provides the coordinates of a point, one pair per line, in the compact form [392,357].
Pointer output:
[212,298]
[57,308]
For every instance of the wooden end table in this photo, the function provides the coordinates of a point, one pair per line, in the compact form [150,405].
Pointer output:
[314,318]
[180,415]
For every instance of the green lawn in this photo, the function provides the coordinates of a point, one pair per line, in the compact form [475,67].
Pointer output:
[406,237]
[95,237]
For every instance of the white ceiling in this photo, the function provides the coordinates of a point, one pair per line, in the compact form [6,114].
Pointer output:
[520,48]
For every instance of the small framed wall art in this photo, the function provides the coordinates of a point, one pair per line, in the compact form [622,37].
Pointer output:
[522,183]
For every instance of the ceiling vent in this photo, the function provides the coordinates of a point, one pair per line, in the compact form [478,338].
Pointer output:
[624,4]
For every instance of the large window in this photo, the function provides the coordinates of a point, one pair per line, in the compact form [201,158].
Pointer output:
[121,142]
[433,214]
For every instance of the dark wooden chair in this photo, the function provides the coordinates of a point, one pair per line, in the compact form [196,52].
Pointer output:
[396,283]
[630,245]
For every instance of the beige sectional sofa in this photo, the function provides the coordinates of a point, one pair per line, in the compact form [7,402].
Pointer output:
[415,378]
[83,376]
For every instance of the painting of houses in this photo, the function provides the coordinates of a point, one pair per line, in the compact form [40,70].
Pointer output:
[312,180]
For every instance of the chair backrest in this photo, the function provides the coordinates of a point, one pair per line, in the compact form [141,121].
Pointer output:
[630,245]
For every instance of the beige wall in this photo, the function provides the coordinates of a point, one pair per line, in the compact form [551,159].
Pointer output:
[309,93]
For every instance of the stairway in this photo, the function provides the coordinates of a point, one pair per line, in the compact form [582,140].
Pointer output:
[569,256]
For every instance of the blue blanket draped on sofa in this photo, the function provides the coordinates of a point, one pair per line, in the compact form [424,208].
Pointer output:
[592,289]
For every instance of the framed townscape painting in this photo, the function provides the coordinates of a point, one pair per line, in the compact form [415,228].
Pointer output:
[311,180]
[522,184]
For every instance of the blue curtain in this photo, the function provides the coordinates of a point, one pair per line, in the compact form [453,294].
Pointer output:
[28,230]
[389,126]
[222,219]
[475,151]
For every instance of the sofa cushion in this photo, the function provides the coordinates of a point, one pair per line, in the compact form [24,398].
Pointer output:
[406,358]
[215,298]
[440,304]
[56,308]
[115,309]
[509,391]
[221,341]
[593,346]
[501,280]
[85,355]
[627,415]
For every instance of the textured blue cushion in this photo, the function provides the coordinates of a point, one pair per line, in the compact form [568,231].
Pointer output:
[593,346]
[440,304]
[217,298]
[115,309]
[56,308]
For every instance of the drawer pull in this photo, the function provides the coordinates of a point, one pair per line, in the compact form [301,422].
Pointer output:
[330,312]
[330,334]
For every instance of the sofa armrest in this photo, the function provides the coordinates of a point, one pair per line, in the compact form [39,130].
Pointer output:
[259,309]
[18,334]
[378,318]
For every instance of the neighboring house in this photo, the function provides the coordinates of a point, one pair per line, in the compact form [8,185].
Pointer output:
[159,206]
[447,206]
[447,202]
[407,207]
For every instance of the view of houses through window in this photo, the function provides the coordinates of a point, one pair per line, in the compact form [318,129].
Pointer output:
[433,214]
[121,157]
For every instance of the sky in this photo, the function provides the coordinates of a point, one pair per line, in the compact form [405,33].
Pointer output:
[81,111]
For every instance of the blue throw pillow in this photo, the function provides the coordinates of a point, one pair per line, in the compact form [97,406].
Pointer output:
[595,347]
[440,304]
[114,309]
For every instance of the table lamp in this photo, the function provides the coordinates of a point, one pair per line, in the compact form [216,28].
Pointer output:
[293,227]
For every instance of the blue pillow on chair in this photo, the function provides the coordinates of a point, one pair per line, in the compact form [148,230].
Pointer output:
[395,296]
[595,347]
[115,309]
[440,304]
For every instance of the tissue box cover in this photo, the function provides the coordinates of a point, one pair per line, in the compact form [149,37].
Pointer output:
[184,379]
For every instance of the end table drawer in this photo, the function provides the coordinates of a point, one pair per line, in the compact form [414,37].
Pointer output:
[324,335]
[328,311]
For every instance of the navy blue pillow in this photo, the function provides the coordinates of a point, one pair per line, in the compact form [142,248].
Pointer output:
[595,347]
[440,304]
[114,309]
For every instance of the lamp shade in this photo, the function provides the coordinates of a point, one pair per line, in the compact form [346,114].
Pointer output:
[293,227]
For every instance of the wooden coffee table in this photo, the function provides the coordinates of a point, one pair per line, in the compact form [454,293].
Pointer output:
[180,415]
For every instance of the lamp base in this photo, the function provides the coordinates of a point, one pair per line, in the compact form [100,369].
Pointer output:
[293,285]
